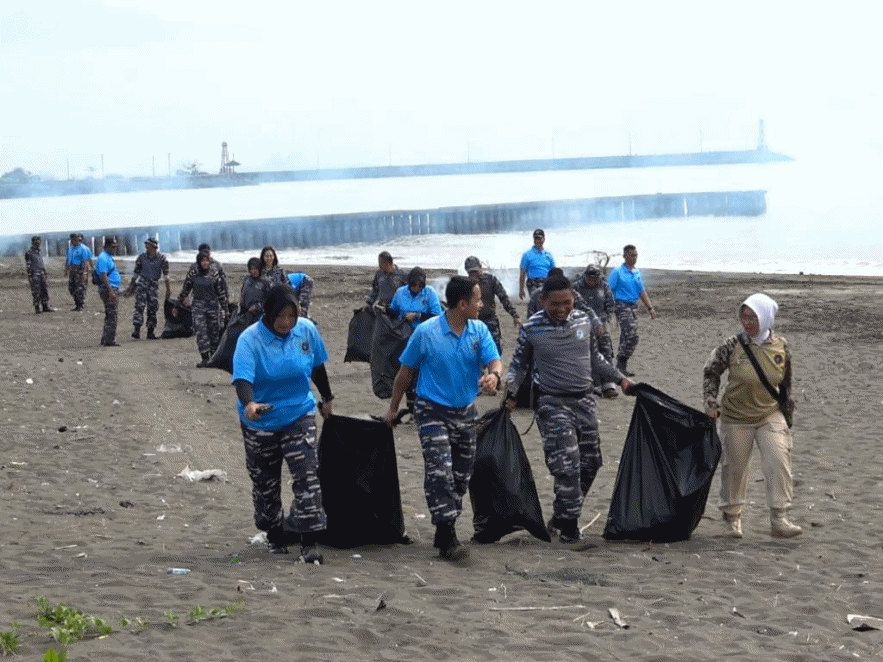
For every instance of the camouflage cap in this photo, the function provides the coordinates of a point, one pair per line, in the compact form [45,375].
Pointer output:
[472,263]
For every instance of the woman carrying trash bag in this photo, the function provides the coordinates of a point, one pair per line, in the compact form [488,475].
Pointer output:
[749,413]
[275,360]
[209,306]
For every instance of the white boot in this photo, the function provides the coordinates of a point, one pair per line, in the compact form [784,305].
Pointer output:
[732,525]
[781,526]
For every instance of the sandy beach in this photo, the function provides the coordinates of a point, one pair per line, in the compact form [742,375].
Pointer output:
[92,440]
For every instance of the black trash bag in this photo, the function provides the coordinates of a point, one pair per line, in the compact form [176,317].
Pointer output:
[527,395]
[360,484]
[388,342]
[361,336]
[502,490]
[178,320]
[669,458]
[223,356]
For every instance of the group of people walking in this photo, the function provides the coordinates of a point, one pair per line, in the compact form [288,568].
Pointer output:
[453,354]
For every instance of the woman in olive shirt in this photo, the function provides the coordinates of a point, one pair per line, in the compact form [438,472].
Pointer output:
[749,414]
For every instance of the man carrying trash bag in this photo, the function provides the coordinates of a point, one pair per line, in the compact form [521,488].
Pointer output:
[668,460]
[565,354]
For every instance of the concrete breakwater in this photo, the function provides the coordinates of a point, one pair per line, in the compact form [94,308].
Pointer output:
[334,229]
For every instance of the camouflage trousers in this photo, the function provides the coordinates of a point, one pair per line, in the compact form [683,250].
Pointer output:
[76,284]
[605,346]
[109,332]
[39,291]
[627,316]
[493,325]
[146,296]
[304,292]
[264,453]
[572,448]
[534,284]
[207,325]
[447,437]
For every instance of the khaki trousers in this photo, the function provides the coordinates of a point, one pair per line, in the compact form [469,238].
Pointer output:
[774,442]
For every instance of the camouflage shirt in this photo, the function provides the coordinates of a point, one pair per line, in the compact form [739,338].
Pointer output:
[492,289]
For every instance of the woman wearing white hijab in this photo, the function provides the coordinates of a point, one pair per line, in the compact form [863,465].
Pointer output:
[748,413]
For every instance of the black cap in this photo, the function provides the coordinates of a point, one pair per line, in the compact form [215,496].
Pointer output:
[35,239]
[151,242]
[539,233]
[592,271]
[472,264]
[110,241]
[74,235]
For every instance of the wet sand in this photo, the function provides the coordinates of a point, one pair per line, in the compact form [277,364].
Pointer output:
[95,514]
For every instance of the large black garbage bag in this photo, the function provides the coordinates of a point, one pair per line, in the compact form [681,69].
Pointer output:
[668,461]
[178,320]
[502,490]
[389,340]
[223,356]
[360,483]
[360,337]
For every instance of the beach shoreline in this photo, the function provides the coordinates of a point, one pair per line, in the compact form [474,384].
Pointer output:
[96,513]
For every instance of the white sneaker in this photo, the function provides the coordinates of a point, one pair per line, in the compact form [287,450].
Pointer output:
[733,525]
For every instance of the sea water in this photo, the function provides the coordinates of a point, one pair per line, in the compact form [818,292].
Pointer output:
[820,219]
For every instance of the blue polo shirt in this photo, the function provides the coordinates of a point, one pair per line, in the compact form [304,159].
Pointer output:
[279,371]
[297,279]
[537,263]
[450,365]
[105,265]
[425,301]
[76,255]
[626,284]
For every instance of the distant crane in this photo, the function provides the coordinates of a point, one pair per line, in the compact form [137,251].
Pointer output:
[228,164]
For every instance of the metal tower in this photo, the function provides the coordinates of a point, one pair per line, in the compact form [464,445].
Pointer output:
[225,160]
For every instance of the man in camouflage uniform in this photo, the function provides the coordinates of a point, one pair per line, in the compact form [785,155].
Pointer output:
[565,353]
[597,295]
[491,289]
[150,266]
[37,277]
[77,268]
[387,280]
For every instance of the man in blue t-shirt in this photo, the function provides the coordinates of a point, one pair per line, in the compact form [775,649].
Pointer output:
[108,289]
[535,265]
[77,267]
[303,286]
[450,352]
[627,286]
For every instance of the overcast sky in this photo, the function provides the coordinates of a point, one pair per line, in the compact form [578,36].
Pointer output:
[290,85]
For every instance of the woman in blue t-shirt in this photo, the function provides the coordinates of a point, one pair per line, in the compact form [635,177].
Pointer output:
[274,362]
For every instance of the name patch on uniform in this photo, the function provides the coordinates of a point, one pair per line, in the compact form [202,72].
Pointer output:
[475,347]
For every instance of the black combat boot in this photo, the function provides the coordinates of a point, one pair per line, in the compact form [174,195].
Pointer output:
[567,530]
[622,366]
[136,334]
[37,310]
[46,308]
[276,543]
[205,359]
[309,552]
[449,548]
[150,334]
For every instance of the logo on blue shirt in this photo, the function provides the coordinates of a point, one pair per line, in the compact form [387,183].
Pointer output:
[305,347]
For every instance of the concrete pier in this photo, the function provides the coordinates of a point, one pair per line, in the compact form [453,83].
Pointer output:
[334,229]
